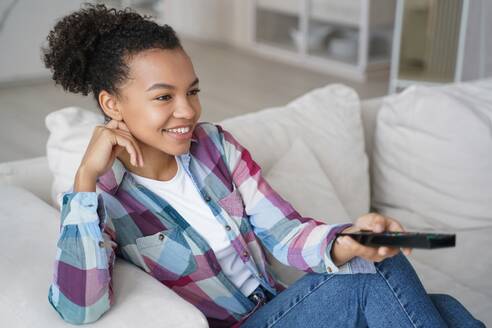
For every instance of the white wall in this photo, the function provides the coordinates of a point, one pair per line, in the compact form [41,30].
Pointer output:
[215,20]
[23,33]
[30,21]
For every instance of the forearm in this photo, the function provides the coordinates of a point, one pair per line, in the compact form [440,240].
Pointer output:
[84,181]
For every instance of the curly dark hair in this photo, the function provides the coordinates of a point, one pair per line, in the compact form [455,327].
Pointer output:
[87,49]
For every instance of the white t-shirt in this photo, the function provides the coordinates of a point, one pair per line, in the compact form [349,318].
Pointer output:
[181,193]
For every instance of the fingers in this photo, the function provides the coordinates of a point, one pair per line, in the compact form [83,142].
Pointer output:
[372,221]
[396,226]
[369,253]
[378,254]
[128,135]
[121,128]
[114,124]
[375,254]
[128,144]
[387,251]
[379,223]
[383,250]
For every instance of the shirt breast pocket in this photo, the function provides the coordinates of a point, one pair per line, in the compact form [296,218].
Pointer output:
[167,254]
[233,203]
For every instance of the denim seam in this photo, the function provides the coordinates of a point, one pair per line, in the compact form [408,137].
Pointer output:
[394,294]
[362,298]
[293,306]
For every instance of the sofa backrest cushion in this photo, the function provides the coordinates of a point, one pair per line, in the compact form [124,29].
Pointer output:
[311,194]
[432,160]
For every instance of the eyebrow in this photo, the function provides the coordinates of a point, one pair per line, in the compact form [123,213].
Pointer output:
[169,86]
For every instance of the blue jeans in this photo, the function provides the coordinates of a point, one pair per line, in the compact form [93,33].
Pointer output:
[392,297]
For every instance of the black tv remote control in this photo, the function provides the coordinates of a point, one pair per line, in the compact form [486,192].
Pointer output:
[409,239]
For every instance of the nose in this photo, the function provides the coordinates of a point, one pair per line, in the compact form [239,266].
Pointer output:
[184,110]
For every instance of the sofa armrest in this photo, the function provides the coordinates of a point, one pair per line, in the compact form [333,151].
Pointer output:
[29,230]
[143,296]
[32,174]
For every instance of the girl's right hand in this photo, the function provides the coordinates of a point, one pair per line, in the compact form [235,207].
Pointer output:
[106,143]
[377,223]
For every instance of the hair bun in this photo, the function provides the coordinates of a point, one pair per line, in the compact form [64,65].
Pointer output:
[73,42]
[90,50]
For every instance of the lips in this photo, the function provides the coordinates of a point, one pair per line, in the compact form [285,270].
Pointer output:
[178,127]
[179,136]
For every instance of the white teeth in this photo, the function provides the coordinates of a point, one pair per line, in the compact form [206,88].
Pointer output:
[180,130]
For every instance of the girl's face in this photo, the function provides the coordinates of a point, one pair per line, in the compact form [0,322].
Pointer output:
[161,93]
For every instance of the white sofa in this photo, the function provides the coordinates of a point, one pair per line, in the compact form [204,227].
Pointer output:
[29,230]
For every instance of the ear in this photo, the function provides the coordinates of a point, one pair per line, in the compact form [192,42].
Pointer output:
[109,105]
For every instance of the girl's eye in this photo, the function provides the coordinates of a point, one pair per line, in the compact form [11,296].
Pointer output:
[165,97]
[194,92]
[168,97]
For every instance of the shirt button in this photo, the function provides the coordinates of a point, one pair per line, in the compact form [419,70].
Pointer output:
[245,254]
[161,236]
[207,198]
[228,227]
[101,243]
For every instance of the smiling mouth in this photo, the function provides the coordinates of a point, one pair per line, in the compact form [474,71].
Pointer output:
[168,130]
[190,126]
[178,135]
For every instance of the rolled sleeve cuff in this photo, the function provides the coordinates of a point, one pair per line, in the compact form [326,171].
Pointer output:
[355,265]
[79,207]
[361,265]
[329,265]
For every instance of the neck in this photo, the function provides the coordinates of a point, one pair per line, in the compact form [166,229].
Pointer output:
[158,165]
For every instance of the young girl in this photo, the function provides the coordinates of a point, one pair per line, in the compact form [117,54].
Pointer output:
[184,201]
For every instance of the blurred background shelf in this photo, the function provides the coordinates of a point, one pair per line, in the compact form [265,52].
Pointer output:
[346,12]
[350,38]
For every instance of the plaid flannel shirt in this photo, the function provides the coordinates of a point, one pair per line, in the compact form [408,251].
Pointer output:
[123,218]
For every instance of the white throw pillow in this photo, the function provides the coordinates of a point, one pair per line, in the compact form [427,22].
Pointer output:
[70,131]
[432,160]
[328,119]
[299,179]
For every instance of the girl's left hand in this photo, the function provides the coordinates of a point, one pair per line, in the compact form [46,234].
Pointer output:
[377,223]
